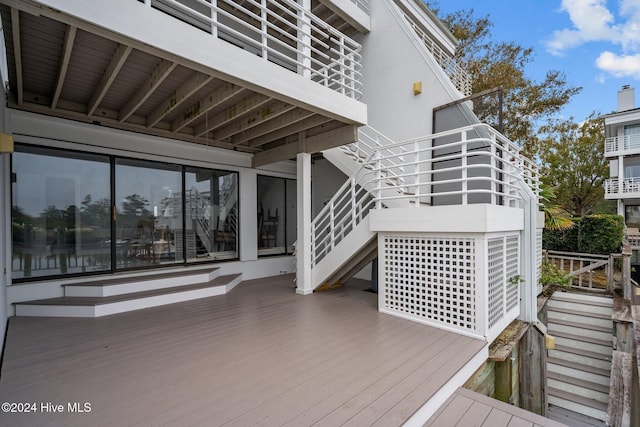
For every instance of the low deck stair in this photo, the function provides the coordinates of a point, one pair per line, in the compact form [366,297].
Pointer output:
[118,295]
[579,368]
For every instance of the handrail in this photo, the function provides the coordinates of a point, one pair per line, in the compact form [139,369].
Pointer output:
[279,31]
[459,77]
[479,166]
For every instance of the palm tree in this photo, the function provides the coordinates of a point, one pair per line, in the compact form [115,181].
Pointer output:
[555,217]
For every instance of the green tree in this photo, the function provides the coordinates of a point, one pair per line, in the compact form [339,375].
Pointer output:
[492,64]
[573,164]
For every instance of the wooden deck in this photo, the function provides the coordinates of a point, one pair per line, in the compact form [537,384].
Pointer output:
[260,355]
[470,409]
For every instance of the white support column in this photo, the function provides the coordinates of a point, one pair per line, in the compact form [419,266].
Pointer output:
[303,245]
[621,177]
[529,288]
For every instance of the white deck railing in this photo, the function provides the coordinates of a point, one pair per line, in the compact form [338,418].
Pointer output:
[617,187]
[279,31]
[459,77]
[474,164]
[362,4]
[622,143]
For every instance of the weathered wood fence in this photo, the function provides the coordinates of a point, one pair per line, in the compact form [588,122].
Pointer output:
[581,267]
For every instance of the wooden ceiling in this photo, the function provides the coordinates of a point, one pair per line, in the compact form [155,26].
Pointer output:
[75,72]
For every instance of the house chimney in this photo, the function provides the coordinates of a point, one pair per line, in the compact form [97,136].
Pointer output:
[626,98]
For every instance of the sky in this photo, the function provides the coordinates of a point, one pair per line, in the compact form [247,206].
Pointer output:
[596,43]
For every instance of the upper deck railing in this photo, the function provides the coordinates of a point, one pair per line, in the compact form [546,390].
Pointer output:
[279,31]
[622,143]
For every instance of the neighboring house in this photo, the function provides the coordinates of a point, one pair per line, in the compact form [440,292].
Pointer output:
[187,134]
[622,149]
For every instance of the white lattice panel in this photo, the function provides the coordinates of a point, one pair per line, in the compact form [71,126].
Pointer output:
[496,280]
[513,269]
[430,278]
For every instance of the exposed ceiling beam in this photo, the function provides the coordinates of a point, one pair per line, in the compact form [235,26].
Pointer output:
[289,130]
[273,125]
[312,144]
[110,120]
[177,97]
[116,64]
[17,53]
[215,98]
[258,117]
[156,78]
[242,107]
[69,38]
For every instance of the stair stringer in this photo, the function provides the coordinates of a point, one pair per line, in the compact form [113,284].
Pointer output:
[343,253]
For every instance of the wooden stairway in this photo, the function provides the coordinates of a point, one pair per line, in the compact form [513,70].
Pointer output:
[579,368]
[122,294]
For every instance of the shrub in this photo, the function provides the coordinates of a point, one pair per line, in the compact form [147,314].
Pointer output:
[551,274]
[593,234]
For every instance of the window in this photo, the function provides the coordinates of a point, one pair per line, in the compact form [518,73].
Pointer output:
[79,213]
[276,215]
[60,214]
[211,214]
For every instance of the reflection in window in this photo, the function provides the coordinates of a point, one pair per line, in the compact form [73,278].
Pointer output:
[276,215]
[60,217]
[211,214]
[149,213]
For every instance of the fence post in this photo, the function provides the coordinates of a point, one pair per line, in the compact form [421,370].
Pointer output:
[626,270]
[610,272]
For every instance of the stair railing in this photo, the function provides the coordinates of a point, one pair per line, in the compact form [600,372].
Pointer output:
[473,164]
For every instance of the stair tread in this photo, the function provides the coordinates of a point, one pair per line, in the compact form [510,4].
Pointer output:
[581,352]
[598,341]
[592,403]
[580,325]
[562,298]
[93,301]
[578,382]
[579,312]
[579,366]
[115,281]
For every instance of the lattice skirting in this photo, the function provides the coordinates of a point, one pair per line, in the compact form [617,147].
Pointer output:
[456,282]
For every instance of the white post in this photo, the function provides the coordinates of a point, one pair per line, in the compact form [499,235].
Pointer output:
[529,288]
[620,175]
[303,245]
[214,18]
[463,166]
[304,45]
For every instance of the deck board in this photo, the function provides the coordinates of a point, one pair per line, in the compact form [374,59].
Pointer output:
[260,355]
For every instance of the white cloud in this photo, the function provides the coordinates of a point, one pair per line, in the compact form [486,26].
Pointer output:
[593,21]
[619,65]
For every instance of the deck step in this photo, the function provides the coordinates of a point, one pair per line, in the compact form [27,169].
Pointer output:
[587,331]
[583,298]
[582,342]
[555,303]
[104,306]
[580,318]
[588,393]
[574,355]
[579,382]
[578,366]
[123,285]
[571,418]
[580,313]
[579,404]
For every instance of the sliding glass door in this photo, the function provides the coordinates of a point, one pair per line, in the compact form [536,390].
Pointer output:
[211,216]
[148,229]
[81,213]
[60,218]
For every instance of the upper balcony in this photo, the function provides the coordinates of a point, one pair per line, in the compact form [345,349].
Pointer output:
[622,145]
[622,189]
[245,75]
